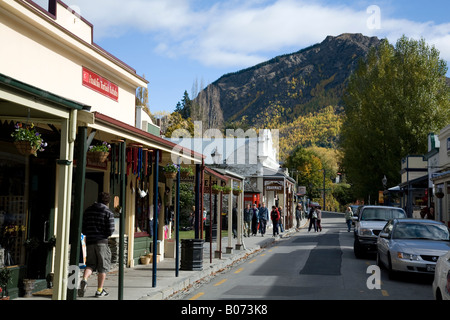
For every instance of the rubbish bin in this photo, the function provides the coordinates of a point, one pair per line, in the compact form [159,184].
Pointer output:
[191,254]
[214,233]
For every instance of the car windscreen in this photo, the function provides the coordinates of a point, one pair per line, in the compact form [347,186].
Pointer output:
[421,231]
[382,214]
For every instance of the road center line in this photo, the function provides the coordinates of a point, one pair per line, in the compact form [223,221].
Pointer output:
[220,282]
[239,270]
[198,295]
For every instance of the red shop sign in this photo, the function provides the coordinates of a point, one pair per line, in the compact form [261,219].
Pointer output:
[100,84]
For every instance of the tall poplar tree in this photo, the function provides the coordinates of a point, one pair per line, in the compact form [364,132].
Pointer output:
[394,99]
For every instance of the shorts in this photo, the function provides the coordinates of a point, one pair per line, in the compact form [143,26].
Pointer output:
[98,257]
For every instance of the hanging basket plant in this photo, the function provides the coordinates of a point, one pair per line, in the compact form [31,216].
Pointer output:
[226,190]
[99,153]
[237,191]
[170,170]
[186,172]
[27,140]
[215,189]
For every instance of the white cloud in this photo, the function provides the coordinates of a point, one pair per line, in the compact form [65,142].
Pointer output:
[242,33]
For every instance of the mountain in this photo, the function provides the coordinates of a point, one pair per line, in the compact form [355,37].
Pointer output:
[299,93]
[286,86]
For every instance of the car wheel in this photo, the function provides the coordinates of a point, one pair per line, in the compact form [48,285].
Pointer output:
[379,262]
[357,249]
[438,294]
[392,274]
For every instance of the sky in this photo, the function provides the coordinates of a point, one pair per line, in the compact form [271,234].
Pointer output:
[181,45]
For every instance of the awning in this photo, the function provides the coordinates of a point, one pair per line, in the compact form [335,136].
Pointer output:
[123,130]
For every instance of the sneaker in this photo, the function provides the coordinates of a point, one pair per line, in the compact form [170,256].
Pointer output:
[82,289]
[101,294]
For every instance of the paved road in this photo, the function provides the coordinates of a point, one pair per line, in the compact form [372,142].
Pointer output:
[311,266]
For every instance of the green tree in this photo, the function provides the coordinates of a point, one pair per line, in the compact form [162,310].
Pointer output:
[176,121]
[394,99]
[184,108]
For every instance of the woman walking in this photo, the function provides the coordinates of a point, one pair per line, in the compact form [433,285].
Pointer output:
[348,218]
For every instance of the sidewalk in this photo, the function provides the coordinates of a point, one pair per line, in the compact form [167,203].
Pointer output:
[138,280]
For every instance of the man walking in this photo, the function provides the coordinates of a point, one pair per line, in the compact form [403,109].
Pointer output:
[248,213]
[98,226]
[263,217]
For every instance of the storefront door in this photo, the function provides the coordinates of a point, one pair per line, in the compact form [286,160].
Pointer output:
[41,216]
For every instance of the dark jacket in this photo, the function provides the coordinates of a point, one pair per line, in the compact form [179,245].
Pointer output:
[248,213]
[98,223]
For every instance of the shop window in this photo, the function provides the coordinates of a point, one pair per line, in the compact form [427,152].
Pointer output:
[13,208]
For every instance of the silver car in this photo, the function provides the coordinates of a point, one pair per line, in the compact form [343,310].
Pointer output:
[412,245]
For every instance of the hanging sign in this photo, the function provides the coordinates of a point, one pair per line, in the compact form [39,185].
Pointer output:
[99,84]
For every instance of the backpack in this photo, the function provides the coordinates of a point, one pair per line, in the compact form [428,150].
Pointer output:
[275,215]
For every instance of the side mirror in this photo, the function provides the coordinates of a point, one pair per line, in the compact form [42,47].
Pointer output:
[384,235]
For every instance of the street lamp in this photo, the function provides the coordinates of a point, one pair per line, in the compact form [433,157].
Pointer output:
[385,192]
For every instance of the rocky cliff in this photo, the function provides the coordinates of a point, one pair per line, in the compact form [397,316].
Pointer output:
[284,87]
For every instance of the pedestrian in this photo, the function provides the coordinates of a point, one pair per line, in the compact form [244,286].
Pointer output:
[298,214]
[312,219]
[248,213]
[98,226]
[275,217]
[280,222]
[255,219]
[319,218]
[348,218]
[263,218]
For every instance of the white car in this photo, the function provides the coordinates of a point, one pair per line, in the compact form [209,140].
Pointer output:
[441,283]
[412,245]
[368,224]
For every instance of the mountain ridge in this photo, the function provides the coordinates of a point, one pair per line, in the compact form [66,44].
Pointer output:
[300,82]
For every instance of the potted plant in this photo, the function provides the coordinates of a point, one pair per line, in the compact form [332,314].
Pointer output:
[237,191]
[170,170]
[226,189]
[99,153]
[186,172]
[27,140]
[5,278]
[216,188]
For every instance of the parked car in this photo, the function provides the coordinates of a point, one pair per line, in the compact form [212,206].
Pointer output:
[412,245]
[441,282]
[368,224]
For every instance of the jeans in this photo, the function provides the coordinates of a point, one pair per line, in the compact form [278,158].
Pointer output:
[349,225]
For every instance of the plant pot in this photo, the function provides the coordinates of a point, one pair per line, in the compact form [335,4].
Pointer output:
[170,175]
[185,174]
[145,259]
[97,156]
[25,148]
[28,285]
[236,193]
